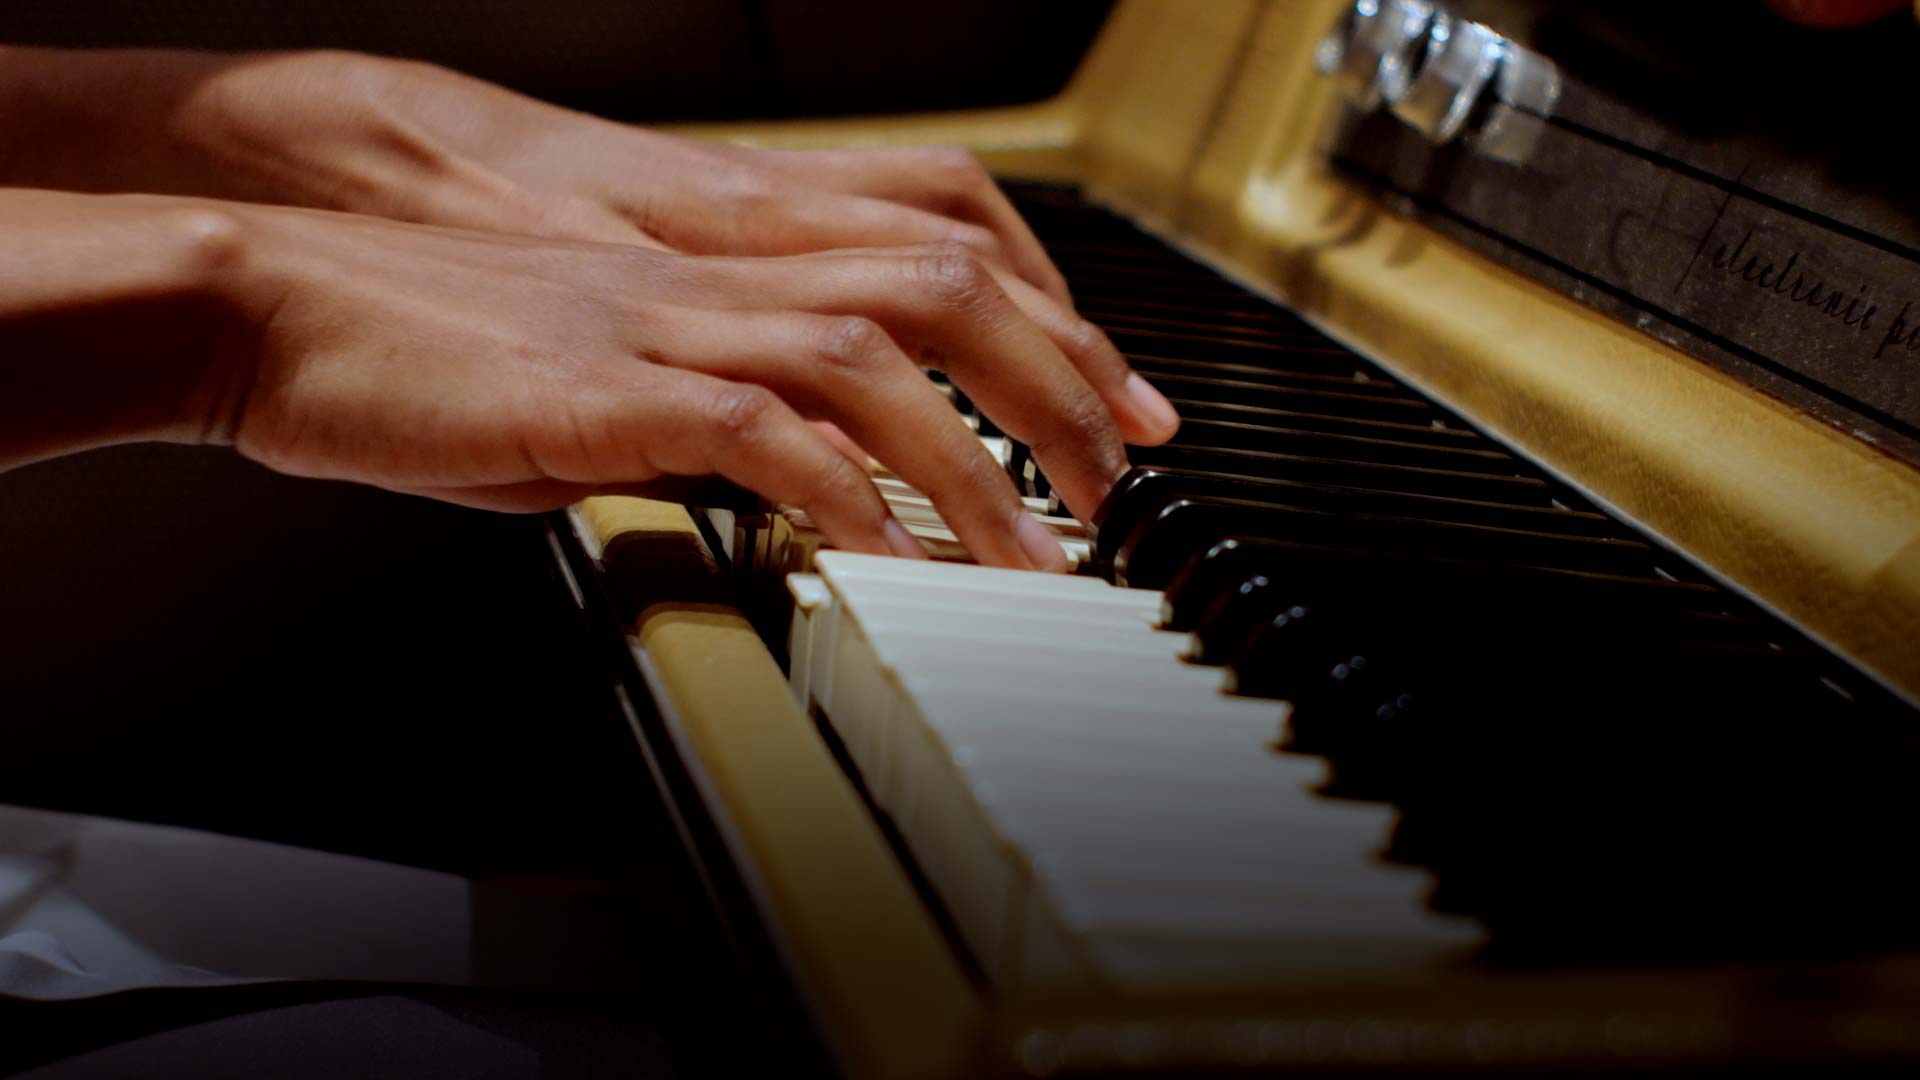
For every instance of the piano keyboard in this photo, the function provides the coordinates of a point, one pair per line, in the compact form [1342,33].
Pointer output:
[1374,697]
[1093,810]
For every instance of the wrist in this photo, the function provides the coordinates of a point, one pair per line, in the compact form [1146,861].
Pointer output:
[118,321]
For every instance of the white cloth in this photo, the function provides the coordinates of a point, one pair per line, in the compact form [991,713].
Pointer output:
[92,906]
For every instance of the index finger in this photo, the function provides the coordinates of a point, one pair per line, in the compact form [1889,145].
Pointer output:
[944,180]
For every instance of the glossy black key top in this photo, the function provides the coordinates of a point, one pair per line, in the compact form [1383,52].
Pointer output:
[1202,399]
[1289,651]
[1154,521]
[1277,439]
[1235,614]
[1262,467]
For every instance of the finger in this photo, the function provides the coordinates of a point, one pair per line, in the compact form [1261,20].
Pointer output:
[640,423]
[470,197]
[842,442]
[1144,415]
[798,219]
[951,313]
[847,370]
[944,180]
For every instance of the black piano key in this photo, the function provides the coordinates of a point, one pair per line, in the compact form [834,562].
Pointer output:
[1595,785]
[1307,353]
[1203,333]
[1292,355]
[1317,363]
[1199,399]
[1150,555]
[1279,373]
[1260,467]
[1235,615]
[1220,569]
[1343,498]
[1288,653]
[1325,571]
[1154,521]
[1244,435]
[1187,307]
[1214,401]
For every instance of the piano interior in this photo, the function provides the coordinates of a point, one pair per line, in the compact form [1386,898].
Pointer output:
[1508,665]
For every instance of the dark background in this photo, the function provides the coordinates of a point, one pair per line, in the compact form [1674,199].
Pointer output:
[642,59]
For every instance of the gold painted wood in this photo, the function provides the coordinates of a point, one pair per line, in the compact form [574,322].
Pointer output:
[884,985]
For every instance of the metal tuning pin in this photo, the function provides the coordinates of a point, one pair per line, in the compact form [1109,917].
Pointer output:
[1440,93]
[1371,45]
[1524,94]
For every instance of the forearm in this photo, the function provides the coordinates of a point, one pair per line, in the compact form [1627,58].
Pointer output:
[95,120]
[116,319]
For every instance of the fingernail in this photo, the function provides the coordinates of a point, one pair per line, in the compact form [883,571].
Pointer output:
[902,541]
[1042,547]
[1152,405]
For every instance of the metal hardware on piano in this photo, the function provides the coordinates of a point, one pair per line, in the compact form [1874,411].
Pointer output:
[1483,676]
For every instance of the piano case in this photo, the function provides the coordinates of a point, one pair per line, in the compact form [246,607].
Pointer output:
[1763,439]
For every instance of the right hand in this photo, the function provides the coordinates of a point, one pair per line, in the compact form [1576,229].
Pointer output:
[523,374]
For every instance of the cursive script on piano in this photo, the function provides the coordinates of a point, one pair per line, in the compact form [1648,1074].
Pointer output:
[1792,282]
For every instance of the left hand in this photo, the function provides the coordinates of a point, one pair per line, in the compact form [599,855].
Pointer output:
[415,142]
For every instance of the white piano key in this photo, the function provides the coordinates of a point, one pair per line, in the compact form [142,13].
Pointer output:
[998,722]
[1025,588]
[882,620]
[860,687]
[892,488]
[981,879]
[1011,606]
[810,595]
[941,544]
[863,699]
[1092,611]
[1106,732]
[922,512]
[1251,817]
[1074,791]
[1074,670]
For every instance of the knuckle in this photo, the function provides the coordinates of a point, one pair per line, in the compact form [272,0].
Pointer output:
[837,484]
[214,239]
[957,166]
[978,472]
[749,190]
[852,343]
[1080,417]
[739,411]
[1085,337]
[956,275]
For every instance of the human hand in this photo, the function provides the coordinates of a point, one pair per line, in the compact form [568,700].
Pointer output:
[519,373]
[415,142]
